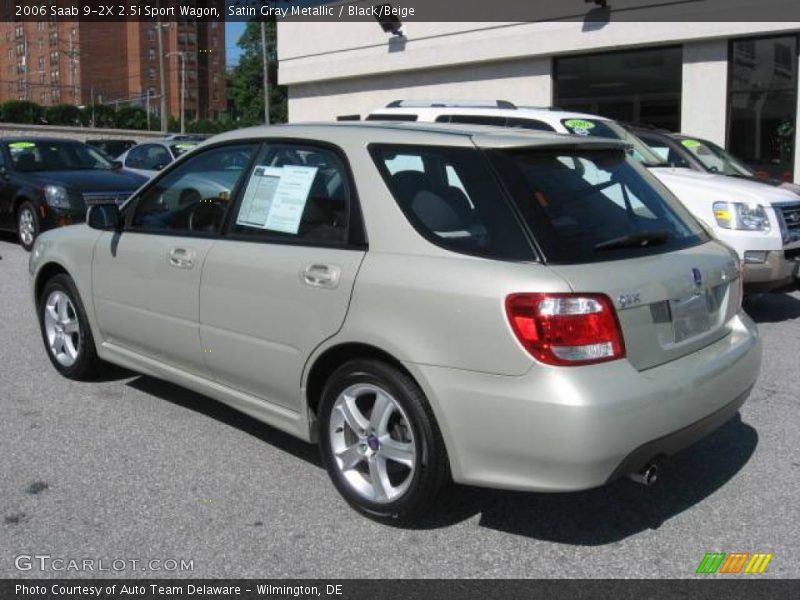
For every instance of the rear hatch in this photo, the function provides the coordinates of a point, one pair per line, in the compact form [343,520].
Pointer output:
[601,222]
[668,305]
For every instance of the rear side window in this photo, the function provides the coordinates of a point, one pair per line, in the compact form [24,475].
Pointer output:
[472,119]
[515,122]
[452,199]
[391,117]
[594,205]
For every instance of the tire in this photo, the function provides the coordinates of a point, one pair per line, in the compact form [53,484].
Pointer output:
[402,449]
[27,225]
[65,330]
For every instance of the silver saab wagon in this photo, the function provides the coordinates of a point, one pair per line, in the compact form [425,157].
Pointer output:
[509,309]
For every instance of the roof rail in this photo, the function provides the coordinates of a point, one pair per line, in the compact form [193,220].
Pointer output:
[450,104]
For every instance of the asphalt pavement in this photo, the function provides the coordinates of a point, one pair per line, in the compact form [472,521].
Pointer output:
[134,469]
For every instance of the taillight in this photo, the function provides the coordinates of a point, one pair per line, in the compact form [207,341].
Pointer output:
[566,329]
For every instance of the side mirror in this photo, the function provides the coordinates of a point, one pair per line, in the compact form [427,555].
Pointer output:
[105,217]
[116,164]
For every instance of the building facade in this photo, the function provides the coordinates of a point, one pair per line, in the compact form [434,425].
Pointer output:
[735,83]
[70,62]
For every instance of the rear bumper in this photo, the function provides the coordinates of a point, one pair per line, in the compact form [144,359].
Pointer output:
[573,428]
[678,440]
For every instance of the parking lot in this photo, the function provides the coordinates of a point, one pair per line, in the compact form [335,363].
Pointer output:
[135,468]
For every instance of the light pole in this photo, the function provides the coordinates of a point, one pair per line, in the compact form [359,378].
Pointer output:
[266,71]
[160,38]
[182,55]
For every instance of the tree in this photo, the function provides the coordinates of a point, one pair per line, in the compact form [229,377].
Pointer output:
[62,114]
[131,117]
[246,84]
[21,111]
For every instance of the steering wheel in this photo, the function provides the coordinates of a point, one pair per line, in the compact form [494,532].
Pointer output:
[206,215]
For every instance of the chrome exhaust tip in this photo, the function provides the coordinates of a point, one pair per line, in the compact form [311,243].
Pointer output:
[647,476]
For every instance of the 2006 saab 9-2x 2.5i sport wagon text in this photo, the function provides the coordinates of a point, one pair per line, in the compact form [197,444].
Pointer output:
[510,309]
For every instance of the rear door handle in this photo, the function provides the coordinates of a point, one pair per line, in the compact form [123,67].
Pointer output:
[182,258]
[321,275]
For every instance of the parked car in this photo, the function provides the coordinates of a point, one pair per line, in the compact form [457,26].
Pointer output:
[425,302]
[112,148]
[699,154]
[45,183]
[760,221]
[149,158]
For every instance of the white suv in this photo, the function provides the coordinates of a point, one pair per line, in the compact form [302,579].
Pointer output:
[761,222]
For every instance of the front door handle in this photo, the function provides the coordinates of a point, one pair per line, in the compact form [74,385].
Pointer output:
[321,275]
[182,258]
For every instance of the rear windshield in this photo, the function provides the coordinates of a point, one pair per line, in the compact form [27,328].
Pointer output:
[452,199]
[181,148]
[590,206]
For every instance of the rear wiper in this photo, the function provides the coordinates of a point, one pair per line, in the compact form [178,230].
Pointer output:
[645,238]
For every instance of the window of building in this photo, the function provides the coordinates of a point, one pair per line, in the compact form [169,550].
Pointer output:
[151,54]
[151,72]
[53,38]
[763,103]
[151,34]
[43,98]
[623,85]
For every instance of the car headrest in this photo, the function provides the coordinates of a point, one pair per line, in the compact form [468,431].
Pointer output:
[435,212]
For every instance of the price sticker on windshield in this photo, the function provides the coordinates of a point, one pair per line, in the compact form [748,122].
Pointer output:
[579,126]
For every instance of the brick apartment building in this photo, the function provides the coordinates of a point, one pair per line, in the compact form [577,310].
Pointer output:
[53,62]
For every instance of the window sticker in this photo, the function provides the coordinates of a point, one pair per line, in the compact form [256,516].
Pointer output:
[21,145]
[275,197]
[691,143]
[582,124]
[258,196]
[290,199]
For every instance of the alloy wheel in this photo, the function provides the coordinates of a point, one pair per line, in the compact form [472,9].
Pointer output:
[62,328]
[27,227]
[372,443]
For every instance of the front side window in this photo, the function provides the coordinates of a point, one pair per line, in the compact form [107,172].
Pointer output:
[594,205]
[452,199]
[193,197]
[295,193]
[715,159]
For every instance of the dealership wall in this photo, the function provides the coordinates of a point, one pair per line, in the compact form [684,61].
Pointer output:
[353,68]
[526,81]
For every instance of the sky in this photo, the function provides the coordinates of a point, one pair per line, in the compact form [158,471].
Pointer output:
[232,32]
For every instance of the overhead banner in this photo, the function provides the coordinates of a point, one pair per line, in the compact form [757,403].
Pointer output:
[504,11]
